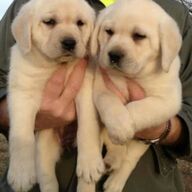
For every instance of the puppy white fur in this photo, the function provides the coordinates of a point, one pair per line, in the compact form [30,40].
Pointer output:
[138,40]
[41,30]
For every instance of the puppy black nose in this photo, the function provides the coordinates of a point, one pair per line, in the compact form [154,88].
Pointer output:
[68,44]
[115,57]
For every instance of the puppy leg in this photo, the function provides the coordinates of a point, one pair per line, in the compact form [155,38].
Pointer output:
[118,178]
[48,153]
[115,153]
[113,113]
[83,186]
[90,165]
[22,108]
[159,110]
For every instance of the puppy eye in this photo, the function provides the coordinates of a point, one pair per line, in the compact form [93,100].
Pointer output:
[110,32]
[49,22]
[80,23]
[138,36]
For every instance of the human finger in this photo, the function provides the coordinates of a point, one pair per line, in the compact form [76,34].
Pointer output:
[69,113]
[111,86]
[55,84]
[136,92]
[74,82]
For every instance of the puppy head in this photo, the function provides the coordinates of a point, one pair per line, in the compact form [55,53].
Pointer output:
[59,29]
[135,37]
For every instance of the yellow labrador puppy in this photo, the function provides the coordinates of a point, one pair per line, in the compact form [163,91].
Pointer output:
[134,39]
[48,34]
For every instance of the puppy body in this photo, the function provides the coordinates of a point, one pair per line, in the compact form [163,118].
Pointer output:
[48,34]
[26,84]
[141,47]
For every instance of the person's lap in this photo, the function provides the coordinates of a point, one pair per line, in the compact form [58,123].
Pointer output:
[65,171]
[149,175]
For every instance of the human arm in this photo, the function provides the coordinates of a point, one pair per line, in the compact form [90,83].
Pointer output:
[4,120]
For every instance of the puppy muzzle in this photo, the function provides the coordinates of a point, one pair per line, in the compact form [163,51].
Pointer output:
[68,44]
[115,58]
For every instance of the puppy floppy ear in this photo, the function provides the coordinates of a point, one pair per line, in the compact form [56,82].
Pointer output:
[94,43]
[90,30]
[170,42]
[21,28]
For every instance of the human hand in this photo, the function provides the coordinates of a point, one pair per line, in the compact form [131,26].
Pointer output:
[136,92]
[4,117]
[58,106]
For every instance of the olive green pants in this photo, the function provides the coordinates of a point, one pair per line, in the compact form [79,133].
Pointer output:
[155,172]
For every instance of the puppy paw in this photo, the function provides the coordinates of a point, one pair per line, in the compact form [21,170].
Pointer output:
[90,167]
[120,134]
[114,183]
[113,160]
[119,125]
[21,175]
[84,186]
[48,184]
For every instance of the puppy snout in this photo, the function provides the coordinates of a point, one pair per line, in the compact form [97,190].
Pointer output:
[68,44]
[115,57]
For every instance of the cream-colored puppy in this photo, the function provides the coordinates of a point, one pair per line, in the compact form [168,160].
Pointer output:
[48,34]
[135,39]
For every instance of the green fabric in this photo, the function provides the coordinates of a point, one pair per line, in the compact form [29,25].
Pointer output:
[157,170]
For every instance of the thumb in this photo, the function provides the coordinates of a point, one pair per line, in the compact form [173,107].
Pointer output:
[136,92]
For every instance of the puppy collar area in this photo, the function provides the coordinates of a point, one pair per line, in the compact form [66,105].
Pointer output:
[107,2]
